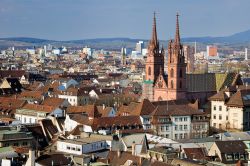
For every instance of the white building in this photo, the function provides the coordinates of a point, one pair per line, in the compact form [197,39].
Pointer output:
[31,113]
[81,146]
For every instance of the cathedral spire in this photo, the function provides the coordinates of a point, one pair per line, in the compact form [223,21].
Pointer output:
[177,31]
[154,39]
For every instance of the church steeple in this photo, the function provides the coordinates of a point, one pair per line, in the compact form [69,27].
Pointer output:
[177,31]
[154,40]
[176,66]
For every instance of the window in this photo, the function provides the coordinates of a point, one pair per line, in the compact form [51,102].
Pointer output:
[220,108]
[68,147]
[214,108]
[185,135]
[176,136]
[185,118]
[180,119]
[214,116]
[149,71]
[180,74]
[167,128]
[73,148]
[176,127]
[214,125]
[229,157]
[176,119]
[185,127]
[180,127]
[172,84]
[220,117]
[172,72]
[162,128]
[181,136]
[78,149]
[25,143]
[15,144]
[167,135]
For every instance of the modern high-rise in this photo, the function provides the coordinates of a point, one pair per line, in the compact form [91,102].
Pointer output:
[139,46]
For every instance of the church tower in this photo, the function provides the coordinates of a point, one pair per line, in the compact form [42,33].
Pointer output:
[155,59]
[154,65]
[176,67]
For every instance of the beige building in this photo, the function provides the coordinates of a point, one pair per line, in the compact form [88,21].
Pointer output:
[230,109]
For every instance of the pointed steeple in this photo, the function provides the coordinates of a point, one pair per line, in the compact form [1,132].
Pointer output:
[177,31]
[154,39]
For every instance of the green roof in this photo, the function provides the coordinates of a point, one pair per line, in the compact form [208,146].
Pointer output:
[209,81]
[98,164]
[6,149]
[148,82]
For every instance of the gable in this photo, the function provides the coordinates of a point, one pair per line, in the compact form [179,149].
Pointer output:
[5,85]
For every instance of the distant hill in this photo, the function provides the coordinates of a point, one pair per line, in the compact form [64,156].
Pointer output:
[117,43]
[241,37]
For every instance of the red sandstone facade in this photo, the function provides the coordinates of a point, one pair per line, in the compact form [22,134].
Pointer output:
[173,86]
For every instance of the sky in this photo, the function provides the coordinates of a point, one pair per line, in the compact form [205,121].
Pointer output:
[88,19]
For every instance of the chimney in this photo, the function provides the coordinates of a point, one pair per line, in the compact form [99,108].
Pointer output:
[118,153]
[133,148]
[180,152]
[31,159]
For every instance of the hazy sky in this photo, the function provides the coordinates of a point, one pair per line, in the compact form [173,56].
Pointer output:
[84,19]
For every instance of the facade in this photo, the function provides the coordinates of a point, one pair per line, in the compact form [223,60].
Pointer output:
[162,87]
[189,58]
[212,51]
[171,120]
[15,137]
[81,146]
[31,113]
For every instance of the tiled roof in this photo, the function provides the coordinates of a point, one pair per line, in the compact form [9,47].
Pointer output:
[231,146]
[81,119]
[220,96]
[11,73]
[31,94]
[52,101]
[240,99]
[104,112]
[195,153]
[175,110]
[210,81]
[41,108]
[115,160]
[118,121]
[58,159]
[90,110]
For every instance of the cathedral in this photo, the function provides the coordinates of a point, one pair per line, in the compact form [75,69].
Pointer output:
[177,83]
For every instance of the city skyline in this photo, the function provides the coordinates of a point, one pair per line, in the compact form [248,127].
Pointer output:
[98,19]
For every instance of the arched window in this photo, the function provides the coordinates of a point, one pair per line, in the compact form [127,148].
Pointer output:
[180,74]
[172,72]
[172,84]
[180,85]
[149,71]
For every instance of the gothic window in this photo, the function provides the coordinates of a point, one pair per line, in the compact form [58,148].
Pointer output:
[180,74]
[180,84]
[149,71]
[172,84]
[172,72]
